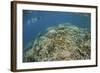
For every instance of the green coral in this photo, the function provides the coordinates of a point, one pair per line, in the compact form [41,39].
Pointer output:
[62,42]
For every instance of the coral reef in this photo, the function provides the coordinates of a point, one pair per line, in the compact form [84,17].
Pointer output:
[61,42]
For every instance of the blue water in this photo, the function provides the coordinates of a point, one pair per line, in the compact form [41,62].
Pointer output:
[35,22]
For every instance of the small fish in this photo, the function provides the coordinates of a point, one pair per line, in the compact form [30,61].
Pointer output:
[33,20]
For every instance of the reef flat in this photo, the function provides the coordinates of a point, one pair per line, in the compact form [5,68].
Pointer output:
[58,43]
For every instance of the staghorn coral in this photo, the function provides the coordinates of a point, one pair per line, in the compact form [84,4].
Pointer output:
[62,42]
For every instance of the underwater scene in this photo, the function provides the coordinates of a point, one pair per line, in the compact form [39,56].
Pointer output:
[56,36]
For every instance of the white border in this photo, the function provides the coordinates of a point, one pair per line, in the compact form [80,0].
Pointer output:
[21,65]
